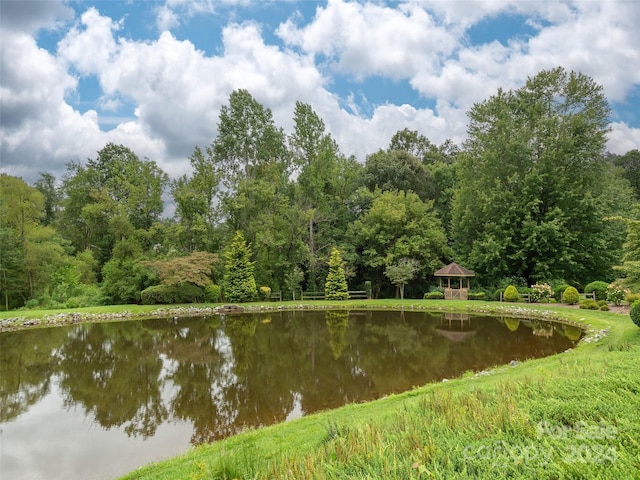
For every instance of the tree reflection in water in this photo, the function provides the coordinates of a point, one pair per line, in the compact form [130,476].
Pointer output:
[224,374]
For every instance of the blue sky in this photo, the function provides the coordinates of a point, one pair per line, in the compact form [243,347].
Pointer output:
[152,75]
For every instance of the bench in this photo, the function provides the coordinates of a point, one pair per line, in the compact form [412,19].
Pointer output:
[359,294]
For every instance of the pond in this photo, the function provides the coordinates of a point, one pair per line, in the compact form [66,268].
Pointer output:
[99,400]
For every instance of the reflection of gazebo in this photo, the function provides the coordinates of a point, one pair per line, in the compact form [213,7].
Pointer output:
[456,327]
[459,288]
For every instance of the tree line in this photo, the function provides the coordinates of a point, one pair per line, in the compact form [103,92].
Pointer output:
[531,196]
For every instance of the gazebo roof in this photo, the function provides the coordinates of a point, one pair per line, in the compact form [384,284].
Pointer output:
[454,270]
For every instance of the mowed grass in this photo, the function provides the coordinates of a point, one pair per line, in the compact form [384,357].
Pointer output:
[574,415]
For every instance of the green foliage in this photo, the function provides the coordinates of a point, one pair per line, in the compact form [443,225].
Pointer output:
[541,292]
[401,272]
[632,297]
[212,293]
[239,285]
[399,225]
[634,312]
[170,294]
[265,292]
[558,290]
[477,296]
[600,289]
[513,212]
[511,294]
[570,296]
[589,305]
[616,293]
[434,296]
[335,287]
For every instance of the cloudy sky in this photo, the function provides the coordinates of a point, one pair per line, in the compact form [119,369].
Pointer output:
[152,75]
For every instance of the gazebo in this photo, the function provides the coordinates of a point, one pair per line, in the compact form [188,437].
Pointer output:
[458,289]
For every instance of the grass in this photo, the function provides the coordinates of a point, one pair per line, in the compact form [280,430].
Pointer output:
[574,415]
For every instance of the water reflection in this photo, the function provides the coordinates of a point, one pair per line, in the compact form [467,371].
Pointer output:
[221,375]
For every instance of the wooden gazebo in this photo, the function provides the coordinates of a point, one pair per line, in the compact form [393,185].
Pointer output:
[457,281]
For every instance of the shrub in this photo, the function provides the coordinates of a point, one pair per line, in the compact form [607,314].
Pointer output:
[599,288]
[589,305]
[265,292]
[212,293]
[476,295]
[541,292]
[635,312]
[558,291]
[615,293]
[168,294]
[511,294]
[434,296]
[570,296]
[605,308]
[632,297]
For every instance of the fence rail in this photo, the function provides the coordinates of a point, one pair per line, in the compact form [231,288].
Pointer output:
[353,294]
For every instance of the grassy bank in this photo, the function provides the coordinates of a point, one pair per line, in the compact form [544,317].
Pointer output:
[572,415]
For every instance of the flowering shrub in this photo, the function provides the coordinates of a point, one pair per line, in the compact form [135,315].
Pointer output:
[265,292]
[541,292]
[615,293]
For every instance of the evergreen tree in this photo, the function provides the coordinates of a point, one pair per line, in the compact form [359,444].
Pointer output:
[239,282]
[335,287]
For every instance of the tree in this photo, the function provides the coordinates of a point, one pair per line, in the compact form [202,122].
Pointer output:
[401,271]
[325,179]
[195,268]
[33,250]
[195,200]
[399,225]
[630,164]
[335,287]
[239,283]
[397,170]
[530,197]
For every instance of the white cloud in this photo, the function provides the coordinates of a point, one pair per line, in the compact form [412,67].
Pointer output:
[623,138]
[177,90]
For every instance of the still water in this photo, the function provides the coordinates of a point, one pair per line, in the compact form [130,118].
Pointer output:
[98,400]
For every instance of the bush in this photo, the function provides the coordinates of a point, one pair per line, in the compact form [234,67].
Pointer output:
[632,297]
[541,292]
[558,291]
[511,294]
[169,294]
[599,288]
[212,293]
[635,312]
[605,308]
[570,296]
[589,305]
[434,296]
[476,295]
[265,292]
[615,293]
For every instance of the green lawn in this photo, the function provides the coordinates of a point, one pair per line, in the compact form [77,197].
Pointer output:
[575,415]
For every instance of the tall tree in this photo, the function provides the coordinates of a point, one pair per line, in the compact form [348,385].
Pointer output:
[398,170]
[254,165]
[325,180]
[195,198]
[528,201]
[399,225]
[30,251]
